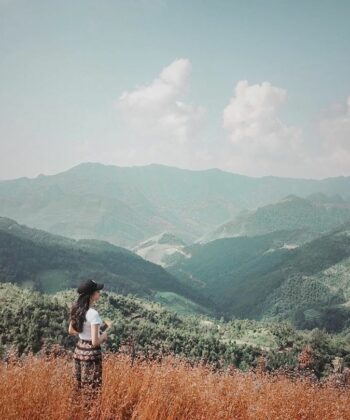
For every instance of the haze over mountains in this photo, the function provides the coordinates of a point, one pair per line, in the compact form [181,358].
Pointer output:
[316,213]
[128,205]
[307,217]
[196,241]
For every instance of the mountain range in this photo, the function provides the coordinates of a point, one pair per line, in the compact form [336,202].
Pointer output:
[196,241]
[264,277]
[128,205]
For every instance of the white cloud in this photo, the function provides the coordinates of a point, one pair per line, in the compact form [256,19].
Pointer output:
[261,144]
[334,128]
[258,137]
[156,111]
[163,127]
[333,131]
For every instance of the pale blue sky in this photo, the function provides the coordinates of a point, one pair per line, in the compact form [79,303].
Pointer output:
[64,64]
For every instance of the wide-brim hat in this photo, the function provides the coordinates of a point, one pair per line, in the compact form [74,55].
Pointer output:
[89,286]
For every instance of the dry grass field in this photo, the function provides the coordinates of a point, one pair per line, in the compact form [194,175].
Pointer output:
[40,387]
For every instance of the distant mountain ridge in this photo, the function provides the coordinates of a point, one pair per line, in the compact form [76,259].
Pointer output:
[317,213]
[128,205]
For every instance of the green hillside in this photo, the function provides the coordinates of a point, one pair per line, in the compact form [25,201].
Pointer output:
[257,277]
[209,266]
[128,205]
[28,320]
[36,259]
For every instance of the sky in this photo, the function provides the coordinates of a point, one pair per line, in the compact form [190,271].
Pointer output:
[257,88]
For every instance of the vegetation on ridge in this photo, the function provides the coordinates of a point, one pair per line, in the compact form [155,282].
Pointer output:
[30,320]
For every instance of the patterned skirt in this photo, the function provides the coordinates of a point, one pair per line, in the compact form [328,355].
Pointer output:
[87,364]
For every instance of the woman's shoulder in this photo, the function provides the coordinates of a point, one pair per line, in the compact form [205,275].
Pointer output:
[92,311]
[93,316]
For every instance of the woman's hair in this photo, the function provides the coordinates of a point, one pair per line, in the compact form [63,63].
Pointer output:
[78,311]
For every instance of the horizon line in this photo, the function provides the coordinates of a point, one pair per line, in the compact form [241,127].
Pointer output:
[40,175]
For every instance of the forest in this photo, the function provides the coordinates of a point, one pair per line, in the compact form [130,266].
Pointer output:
[32,322]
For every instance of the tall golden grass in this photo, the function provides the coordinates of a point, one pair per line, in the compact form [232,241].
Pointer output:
[40,387]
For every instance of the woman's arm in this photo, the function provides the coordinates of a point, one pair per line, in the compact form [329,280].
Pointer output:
[71,330]
[97,340]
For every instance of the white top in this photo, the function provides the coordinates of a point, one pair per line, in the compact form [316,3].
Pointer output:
[91,317]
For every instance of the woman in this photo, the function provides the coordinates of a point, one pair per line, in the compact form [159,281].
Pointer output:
[85,322]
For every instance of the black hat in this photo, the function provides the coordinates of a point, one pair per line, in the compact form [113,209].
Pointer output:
[89,286]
